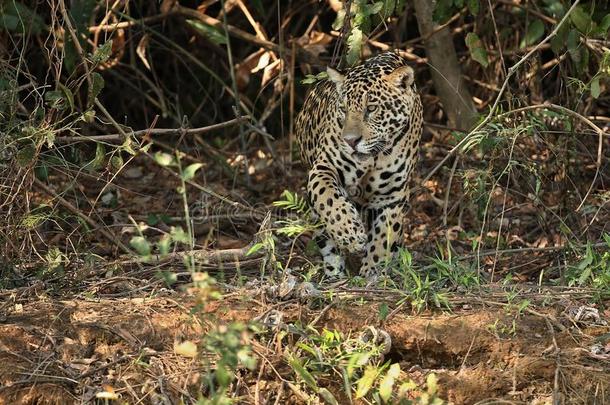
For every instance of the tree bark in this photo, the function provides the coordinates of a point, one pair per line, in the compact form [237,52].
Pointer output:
[446,72]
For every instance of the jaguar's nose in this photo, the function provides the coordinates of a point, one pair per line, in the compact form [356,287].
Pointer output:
[352,140]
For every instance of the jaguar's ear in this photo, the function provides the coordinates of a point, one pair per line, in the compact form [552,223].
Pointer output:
[335,77]
[401,77]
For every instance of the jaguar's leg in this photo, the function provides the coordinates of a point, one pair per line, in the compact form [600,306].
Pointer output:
[333,262]
[384,239]
[341,219]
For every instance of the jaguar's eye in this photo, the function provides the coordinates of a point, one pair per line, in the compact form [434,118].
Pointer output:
[371,107]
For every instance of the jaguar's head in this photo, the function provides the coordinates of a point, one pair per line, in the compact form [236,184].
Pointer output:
[376,100]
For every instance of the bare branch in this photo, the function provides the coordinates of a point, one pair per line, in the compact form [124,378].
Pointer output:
[152,131]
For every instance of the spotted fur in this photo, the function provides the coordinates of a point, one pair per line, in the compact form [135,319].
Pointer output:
[359,134]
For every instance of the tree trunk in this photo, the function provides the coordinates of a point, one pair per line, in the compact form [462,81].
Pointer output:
[446,72]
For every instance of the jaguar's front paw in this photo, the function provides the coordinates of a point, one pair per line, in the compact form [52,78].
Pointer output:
[370,273]
[353,242]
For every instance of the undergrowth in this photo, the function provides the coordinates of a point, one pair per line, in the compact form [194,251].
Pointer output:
[521,204]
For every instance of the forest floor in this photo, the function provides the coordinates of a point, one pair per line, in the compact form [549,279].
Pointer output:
[72,347]
[86,325]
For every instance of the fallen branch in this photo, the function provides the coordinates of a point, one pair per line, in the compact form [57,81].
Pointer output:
[207,256]
[201,256]
[152,131]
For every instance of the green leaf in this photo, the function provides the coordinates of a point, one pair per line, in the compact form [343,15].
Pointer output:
[17,17]
[163,159]
[88,116]
[67,95]
[477,51]
[555,9]
[303,373]
[164,244]
[558,42]
[387,382]
[374,8]
[310,79]
[606,237]
[81,12]
[152,219]
[211,33]
[407,386]
[605,23]
[432,383]
[383,311]
[100,155]
[534,32]
[442,11]
[573,41]
[601,30]
[189,172]
[97,84]
[524,304]
[127,146]
[389,7]
[327,396]
[255,248]
[366,381]
[581,19]
[354,46]
[178,234]
[362,19]
[117,161]
[55,99]
[102,53]
[141,245]
[473,6]
[223,376]
[578,53]
[585,275]
[338,23]
[42,171]
[595,89]
[26,155]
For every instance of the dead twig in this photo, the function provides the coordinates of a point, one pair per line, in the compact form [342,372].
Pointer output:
[321,315]
[538,14]
[153,131]
[303,54]
[128,24]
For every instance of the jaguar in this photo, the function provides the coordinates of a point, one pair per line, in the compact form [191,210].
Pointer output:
[358,134]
